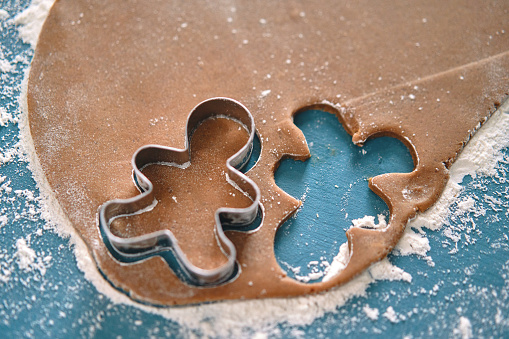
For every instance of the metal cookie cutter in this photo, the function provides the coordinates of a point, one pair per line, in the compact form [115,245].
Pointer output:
[235,218]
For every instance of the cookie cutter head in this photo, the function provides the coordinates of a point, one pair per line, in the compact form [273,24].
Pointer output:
[236,218]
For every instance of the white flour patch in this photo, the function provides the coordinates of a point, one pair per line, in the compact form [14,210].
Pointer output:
[5,116]
[371,313]
[5,66]
[369,222]
[24,255]
[30,21]
[3,220]
[391,315]
[464,328]
[3,14]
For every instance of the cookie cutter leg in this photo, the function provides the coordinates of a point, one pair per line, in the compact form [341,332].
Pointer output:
[236,218]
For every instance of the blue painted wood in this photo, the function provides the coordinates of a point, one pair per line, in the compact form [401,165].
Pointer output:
[333,185]
[473,283]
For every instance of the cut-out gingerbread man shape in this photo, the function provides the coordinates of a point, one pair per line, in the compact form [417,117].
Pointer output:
[333,187]
[219,139]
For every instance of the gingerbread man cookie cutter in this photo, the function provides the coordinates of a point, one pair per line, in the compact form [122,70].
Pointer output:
[164,240]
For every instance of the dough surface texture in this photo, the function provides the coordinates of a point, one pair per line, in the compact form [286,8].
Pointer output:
[110,76]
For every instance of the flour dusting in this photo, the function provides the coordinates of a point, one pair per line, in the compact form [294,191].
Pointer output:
[391,315]
[25,255]
[464,328]
[371,313]
[30,21]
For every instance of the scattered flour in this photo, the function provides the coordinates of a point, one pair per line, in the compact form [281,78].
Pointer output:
[391,315]
[3,220]
[371,313]
[232,318]
[28,260]
[25,255]
[338,263]
[265,93]
[384,270]
[464,328]
[30,21]
[4,277]
[369,222]
[3,14]
[5,67]
[5,117]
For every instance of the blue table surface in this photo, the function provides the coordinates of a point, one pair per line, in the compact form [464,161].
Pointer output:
[55,299]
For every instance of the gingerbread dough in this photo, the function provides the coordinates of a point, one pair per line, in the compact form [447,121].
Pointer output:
[109,76]
[188,198]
